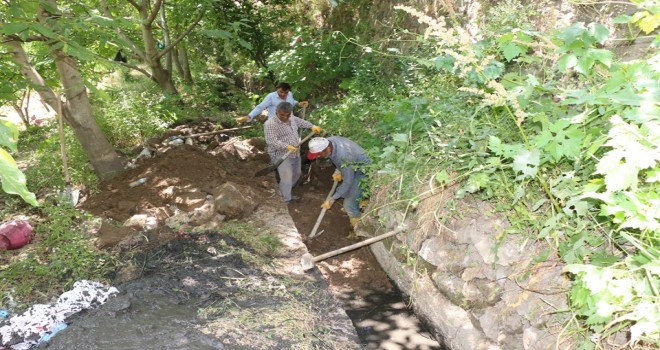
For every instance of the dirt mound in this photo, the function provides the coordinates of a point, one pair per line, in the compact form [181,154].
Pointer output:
[172,168]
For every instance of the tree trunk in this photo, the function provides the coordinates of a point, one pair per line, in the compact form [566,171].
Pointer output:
[159,74]
[185,64]
[166,38]
[78,114]
[177,61]
[77,109]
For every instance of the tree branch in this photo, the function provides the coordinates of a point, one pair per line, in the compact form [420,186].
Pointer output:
[106,11]
[182,35]
[154,11]
[135,4]
[35,79]
[134,67]
[30,38]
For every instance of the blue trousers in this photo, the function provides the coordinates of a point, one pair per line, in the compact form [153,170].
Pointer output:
[290,172]
[353,196]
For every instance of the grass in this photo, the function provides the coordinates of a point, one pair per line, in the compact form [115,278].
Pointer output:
[59,255]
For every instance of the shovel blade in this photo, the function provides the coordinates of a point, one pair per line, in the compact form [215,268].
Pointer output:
[265,171]
[307,262]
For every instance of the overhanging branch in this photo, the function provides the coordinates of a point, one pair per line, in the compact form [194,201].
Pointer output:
[182,35]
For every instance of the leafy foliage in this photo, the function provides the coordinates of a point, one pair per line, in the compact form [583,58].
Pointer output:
[552,128]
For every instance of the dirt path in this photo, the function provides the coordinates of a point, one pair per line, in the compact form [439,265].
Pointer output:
[181,177]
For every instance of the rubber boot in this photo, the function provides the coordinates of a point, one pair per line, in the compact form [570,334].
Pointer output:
[354,222]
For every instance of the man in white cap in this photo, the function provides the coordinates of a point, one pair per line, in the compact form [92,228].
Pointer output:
[281,135]
[350,160]
[282,94]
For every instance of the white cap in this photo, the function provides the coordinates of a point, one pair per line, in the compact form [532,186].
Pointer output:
[318,144]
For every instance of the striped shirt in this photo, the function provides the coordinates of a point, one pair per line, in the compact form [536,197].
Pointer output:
[280,135]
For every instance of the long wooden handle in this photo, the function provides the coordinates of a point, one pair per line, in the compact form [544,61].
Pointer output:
[318,221]
[299,143]
[359,244]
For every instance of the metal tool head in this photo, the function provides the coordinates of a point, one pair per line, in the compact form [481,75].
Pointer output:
[307,261]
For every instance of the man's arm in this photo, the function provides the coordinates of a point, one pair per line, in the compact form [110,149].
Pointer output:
[347,176]
[301,123]
[260,107]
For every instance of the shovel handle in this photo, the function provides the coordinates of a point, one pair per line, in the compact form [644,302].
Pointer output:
[299,143]
[359,244]
[318,221]
[277,163]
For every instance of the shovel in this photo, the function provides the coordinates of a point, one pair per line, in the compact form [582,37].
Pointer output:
[277,163]
[307,261]
[318,221]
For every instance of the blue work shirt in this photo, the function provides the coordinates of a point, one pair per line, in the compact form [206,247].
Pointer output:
[270,102]
[350,159]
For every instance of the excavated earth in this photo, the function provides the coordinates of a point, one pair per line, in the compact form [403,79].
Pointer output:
[187,284]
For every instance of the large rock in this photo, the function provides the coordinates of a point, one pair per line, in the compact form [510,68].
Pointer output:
[235,201]
[189,201]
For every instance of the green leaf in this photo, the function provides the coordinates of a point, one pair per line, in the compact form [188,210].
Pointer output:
[102,21]
[13,28]
[618,176]
[567,61]
[621,19]
[400,140]
[8,134]
[527,162]
[245,44]
[45,31]
[217,33]
[13,180]
[598,32]
[513,50]
[649,23]
[442,177]
[603,56]
[584,64]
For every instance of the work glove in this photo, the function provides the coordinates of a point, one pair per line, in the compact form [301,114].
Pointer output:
[291,148]
[242,120]
[327,204]
[303,104]
[316,129]
[336,176]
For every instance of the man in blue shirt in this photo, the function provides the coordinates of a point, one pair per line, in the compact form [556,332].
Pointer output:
[283,94]
[350,160]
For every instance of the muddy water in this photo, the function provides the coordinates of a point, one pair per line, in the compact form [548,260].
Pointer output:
[136,321]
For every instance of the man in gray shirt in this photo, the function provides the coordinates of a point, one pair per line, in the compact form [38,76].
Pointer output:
[350,160]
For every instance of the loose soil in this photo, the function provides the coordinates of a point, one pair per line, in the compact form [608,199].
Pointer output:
[169,260]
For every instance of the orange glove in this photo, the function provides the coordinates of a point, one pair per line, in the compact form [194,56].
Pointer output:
[316,129]
[327,204]
[242,120]
[336,176]
[303,104]
[291,148]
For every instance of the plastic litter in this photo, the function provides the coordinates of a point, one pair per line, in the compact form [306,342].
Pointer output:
[4,313]
[15,234]
[49,335]
[138,182]
[31,326]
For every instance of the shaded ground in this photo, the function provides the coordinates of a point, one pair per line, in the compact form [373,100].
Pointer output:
[244,299]
[380,316]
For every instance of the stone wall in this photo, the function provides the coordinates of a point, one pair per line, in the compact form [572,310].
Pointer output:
[476,286]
